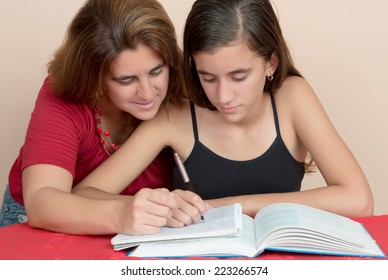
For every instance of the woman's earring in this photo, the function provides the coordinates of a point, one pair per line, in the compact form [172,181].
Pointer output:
[270,77]
[99,94]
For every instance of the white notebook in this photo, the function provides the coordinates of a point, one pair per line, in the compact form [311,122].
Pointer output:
[218,222]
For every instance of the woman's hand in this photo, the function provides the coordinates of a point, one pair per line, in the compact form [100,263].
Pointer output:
[147,211]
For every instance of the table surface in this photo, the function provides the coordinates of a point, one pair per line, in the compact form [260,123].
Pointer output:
[21,242]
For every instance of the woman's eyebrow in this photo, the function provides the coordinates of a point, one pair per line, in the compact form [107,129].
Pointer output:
[160,65]
[126,77]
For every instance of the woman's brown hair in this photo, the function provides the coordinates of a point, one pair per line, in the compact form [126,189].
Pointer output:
[98,33]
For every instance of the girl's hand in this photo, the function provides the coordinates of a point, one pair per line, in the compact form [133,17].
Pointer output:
[190,209]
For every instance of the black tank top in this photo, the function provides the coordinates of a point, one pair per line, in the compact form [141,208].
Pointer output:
[213,176]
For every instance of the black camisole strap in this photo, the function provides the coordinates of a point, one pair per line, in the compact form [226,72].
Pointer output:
[275,114]
[194,120]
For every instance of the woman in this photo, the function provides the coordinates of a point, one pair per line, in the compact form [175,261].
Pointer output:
[118,65]
[254,123]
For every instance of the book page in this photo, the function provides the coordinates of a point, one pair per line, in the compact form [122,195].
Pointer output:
[220,221]
[315,224]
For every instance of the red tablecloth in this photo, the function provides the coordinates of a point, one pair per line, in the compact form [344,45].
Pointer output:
[21,242]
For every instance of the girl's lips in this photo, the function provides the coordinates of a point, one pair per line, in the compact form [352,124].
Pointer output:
[229,109]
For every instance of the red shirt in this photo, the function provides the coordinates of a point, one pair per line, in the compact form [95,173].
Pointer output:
[64,134]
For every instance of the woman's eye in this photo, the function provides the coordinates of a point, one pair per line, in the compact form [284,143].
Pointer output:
[125,82]
[157,72]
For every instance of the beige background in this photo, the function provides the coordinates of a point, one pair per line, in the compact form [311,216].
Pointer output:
[339,45]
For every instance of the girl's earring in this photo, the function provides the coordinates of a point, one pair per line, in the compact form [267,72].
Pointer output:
[270,77]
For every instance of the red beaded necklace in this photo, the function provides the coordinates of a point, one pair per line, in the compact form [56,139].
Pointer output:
[104,134]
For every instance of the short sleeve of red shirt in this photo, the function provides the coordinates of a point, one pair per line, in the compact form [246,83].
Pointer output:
[64,135]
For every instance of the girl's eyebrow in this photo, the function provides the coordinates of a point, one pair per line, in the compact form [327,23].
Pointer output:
[237,71]
[126,77]
[240,70]
[202,72]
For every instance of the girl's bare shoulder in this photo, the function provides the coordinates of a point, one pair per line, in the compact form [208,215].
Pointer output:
[295,93]
[172,116]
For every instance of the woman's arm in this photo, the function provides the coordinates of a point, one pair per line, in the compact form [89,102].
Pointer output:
[347,191]
[135,155]
[50,205]
[122,168]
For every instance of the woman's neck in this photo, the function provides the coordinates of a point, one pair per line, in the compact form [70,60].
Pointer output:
[117,122]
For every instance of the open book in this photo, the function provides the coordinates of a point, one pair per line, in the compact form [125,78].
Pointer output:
[283,227]
[218,222]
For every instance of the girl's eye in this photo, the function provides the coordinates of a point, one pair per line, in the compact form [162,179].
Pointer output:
[208,79]
[211,79]
[239,78]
